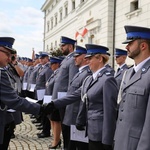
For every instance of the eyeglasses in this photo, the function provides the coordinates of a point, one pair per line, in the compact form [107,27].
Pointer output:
[7,53]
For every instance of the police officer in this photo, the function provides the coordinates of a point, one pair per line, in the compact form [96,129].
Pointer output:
[120,56]
[133,121]
[99,95]
[32,77]
[15,72]
[73,98]
[8,96]
[66,73]
[55,116]
[27,73]
[43,73]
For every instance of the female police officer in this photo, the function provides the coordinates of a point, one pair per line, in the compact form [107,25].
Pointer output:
[99,95]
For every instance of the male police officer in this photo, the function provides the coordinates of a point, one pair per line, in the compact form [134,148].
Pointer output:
[8,96]
[66,72]
[133,125]
[120,56]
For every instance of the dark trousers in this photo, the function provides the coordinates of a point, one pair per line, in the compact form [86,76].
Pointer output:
[66,136]
[46,125]
[8,131]
[94,145]
[30,94]
[76,145]
[72,145]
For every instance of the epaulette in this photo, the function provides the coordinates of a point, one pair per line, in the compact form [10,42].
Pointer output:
[1,68]
[107,73]
[88,70]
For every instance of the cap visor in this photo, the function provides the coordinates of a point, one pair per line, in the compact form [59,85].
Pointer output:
[127,41]
[13,51]
[75,55]
[88,55]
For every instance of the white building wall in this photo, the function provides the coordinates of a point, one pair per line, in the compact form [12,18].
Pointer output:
[124,16]
[98,17]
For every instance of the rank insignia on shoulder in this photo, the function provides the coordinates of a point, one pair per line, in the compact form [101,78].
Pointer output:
[108,73]
[1,68]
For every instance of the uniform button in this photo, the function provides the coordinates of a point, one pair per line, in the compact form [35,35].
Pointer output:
[123,100]
[120,119]
[122,110]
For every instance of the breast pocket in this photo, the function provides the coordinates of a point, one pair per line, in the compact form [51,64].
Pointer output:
[136,98]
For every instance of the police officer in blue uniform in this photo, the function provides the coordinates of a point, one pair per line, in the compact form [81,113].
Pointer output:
[32,77]
[99,95]
[8,96]
[120,56]
[44,72]
[54,118]
[73,98]
[133,124]
[66,73]
[46,126]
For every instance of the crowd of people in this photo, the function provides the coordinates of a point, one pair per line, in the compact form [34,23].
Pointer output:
[79,93]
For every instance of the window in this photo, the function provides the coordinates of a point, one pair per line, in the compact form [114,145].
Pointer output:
[66,8]
[48,26]
[55,43]
[66,11]
[51,46]
[52,23]
[47,47]
[134,5]
[73,4]
[56,19]
[60,13]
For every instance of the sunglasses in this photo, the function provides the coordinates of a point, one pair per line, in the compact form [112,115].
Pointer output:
[7,53]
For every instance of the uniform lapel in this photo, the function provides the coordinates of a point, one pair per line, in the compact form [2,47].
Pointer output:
[121,69]
[137,76]
[98,76]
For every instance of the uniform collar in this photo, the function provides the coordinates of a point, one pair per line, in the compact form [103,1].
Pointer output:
[139,66]
[81,68]
[96,73]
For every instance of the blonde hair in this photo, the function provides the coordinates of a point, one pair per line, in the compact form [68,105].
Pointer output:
[104,56]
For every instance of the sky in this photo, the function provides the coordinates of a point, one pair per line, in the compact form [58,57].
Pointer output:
[24,21]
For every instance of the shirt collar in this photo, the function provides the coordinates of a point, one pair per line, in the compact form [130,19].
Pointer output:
[81,68]
[96,73]
[139,66]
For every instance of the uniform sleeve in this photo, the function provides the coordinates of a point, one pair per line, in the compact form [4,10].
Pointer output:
[110,91]
[68,99]
[10,98]
[144,141]
[72,70]
[48,74]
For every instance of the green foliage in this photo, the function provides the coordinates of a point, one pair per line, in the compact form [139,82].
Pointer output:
[56,52]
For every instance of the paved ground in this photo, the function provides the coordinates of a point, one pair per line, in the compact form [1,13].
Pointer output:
[26,138]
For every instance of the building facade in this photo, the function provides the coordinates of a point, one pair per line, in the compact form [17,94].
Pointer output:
[93,21]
